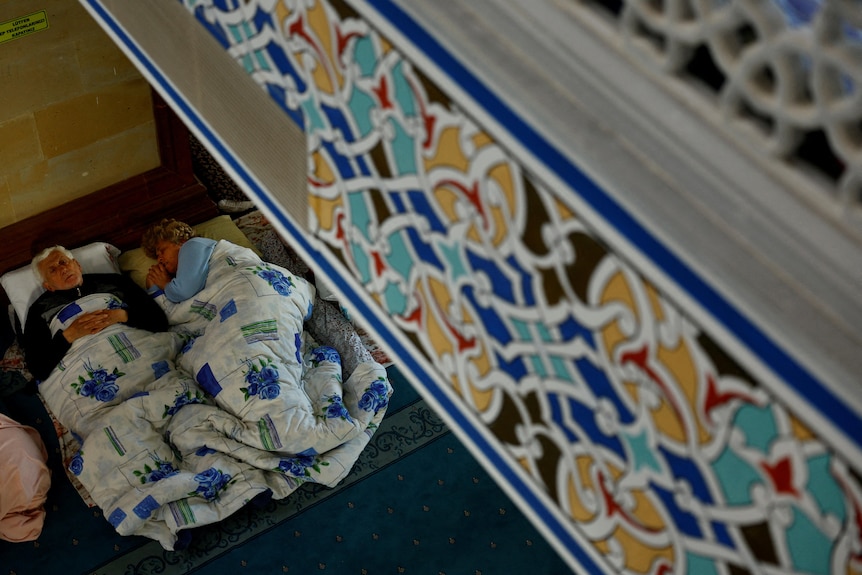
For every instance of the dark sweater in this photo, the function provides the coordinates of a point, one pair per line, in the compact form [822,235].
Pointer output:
[43,352]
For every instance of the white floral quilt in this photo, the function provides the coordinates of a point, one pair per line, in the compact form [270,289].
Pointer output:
[183,428]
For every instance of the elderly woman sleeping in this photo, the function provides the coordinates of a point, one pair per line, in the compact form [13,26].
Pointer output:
[243,322]
[261,412]
[181,272]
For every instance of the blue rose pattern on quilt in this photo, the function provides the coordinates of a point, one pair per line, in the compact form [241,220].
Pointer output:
[77,463]
[376,396]
[334,408]
[302,464]
[99,383]
[281,283]
[186,397]
[324,353]
[159,470]
[210,483]
[262,379]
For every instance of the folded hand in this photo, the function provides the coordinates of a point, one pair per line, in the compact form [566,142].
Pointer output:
[158,276]
[94,322]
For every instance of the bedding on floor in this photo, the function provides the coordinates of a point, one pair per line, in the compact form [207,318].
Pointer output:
[168,431]
[262,235]
[119,392]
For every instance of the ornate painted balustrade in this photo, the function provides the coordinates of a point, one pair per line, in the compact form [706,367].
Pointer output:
[612,285]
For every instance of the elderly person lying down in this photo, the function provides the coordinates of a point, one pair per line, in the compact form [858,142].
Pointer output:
[243,322]
[48,333]
[151,457]
[182,271]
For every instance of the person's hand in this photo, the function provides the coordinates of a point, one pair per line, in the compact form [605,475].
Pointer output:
[158,276]
[93,322]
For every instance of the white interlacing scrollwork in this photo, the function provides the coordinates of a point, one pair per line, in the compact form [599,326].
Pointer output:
[787,73]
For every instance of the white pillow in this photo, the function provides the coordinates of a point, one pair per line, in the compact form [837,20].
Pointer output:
[22,287]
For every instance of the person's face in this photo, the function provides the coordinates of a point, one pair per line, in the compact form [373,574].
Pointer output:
[168,255]
[60,272]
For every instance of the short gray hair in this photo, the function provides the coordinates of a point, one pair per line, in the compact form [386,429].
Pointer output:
[38,258]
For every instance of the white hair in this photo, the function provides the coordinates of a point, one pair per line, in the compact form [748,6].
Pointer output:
[38,258]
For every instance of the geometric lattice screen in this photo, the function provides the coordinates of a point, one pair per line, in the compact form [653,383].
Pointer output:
[786,75]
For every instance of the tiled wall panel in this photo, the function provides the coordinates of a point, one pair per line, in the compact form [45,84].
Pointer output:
[75,115]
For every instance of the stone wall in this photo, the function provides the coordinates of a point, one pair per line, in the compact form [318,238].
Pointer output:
[75,115]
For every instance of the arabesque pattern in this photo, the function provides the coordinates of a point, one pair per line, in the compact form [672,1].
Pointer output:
[664,450]
[786,74]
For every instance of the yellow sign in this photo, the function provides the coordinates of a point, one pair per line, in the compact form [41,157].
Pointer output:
[23,26]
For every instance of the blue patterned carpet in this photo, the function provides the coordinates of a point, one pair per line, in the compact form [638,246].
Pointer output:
[416,502]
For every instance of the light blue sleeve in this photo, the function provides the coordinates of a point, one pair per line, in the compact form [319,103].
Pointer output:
[192,269]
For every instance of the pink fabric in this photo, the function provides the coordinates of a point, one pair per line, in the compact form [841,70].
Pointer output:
[24,481]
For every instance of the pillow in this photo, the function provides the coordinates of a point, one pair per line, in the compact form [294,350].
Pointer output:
[136,263]
[22,287]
